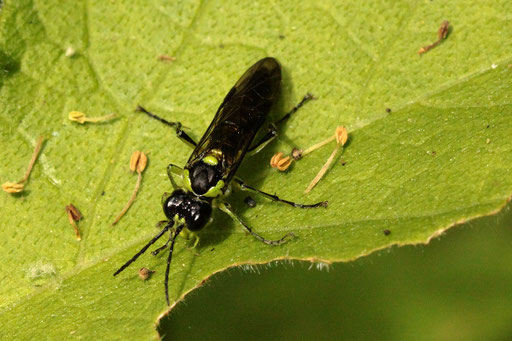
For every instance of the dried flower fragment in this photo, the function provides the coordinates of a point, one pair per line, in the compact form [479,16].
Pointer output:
[81,118]
[318,145]
[145,273]
[280,162]
[12,187]
[442,33]
[75,213]
[138,162]
[73,216]
[341,137]
[16,187]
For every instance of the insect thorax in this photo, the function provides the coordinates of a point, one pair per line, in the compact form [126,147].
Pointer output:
[204,177]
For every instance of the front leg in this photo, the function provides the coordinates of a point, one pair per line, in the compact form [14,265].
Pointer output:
[176,125]
[174,170]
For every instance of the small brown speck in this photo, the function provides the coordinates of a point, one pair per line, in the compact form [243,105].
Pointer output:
[145,273]
[166,58]
[386,232]
[434,152]
[343,162]
[488,126]
[281,36]
[296,153]
[388,110]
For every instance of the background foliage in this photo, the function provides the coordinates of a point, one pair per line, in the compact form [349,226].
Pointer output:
[441,157]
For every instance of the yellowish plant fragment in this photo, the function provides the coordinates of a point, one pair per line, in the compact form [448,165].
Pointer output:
[341,136]
[16,187]
[280,162]
[81,118]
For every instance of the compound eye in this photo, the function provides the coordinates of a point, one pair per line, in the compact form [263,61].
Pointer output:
[173,204]
[199,214]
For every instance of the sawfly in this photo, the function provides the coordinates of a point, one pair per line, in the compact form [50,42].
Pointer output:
[207,177]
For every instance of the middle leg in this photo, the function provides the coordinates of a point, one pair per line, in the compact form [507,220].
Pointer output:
[176,125]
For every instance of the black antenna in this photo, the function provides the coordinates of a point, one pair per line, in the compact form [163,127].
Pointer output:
[151,242]
[176,233]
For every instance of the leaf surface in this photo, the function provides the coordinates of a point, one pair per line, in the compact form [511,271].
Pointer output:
[441,157]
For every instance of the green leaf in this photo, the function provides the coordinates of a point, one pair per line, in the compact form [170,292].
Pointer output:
[441,157]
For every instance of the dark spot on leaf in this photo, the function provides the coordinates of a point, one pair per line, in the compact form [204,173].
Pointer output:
[8,66]
[386,232]
[250,201]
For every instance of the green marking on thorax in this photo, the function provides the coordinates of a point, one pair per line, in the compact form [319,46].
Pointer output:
[186,180]
[215,191]
[211,160]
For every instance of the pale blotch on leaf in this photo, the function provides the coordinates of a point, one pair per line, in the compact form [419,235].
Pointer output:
[40,272]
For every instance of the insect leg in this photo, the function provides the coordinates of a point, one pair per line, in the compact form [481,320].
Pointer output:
[304,99]
[272,128]
[151,242]
[157,251]
[171,249]
[176,170]
[176,125]
[226,208]
[274,197]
